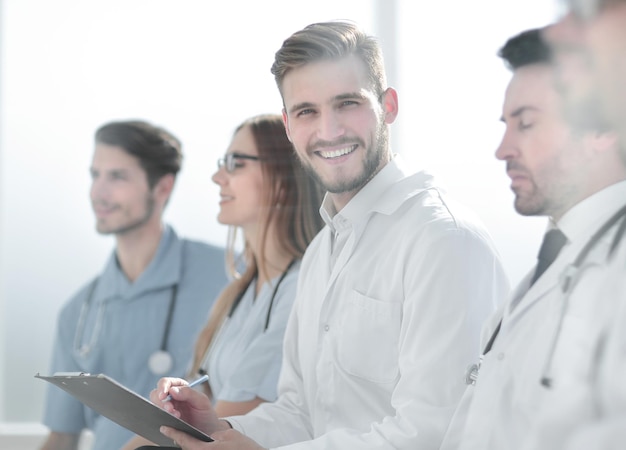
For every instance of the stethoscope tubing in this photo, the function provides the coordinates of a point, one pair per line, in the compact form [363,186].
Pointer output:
[84,350]
[570,278]
[212,345]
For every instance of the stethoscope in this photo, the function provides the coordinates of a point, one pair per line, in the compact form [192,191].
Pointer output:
[160,362]
[209,352]
[568,279]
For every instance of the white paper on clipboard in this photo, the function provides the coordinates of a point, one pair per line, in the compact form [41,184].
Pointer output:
[121,405]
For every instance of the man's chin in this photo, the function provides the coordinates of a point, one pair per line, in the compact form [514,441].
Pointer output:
[345,186]
[526,208]
[103,228]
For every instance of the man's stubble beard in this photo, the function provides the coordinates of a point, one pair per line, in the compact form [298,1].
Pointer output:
[149,206]
[371,165]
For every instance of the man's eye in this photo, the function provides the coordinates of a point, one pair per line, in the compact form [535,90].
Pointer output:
[349,103]
[305,112]
[525,125]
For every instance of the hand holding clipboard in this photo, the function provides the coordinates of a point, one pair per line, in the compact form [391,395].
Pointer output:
[123,406]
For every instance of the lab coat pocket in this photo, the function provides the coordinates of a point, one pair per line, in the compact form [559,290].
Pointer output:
[368,344]
[574,354]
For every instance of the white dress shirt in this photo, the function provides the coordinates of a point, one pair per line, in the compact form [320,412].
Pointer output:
[503,407]
[377,344]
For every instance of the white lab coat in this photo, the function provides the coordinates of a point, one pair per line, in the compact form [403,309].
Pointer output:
[499,412]
[586,409]
[376,345]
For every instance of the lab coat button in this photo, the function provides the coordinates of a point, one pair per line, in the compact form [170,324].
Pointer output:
[326,328]
[501,356]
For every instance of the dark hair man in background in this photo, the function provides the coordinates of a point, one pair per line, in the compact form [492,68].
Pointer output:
[137,320]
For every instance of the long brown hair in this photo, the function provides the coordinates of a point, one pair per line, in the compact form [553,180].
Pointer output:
[291,203]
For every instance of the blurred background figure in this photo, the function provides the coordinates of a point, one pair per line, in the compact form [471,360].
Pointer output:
[137,320]
[590,47]
[265,194]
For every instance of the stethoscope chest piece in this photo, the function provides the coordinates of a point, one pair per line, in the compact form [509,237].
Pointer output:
[160,362]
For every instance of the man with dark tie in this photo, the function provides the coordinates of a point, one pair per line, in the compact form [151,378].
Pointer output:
[574,176]
[587,404]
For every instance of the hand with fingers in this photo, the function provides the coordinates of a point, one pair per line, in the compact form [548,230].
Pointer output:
[188,404]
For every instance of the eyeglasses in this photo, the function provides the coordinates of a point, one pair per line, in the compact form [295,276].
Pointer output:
[229,161]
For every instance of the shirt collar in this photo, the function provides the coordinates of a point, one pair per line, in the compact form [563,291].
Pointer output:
[589,215]
[366,200]
[163,271]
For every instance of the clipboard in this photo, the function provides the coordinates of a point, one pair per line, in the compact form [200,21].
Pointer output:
[121,405]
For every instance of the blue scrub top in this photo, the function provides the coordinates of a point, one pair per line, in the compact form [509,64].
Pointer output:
[130,329]
[245,360]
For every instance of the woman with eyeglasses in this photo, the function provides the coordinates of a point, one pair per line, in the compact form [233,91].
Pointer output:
[267,196]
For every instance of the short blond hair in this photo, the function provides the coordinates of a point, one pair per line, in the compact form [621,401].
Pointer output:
[330,41]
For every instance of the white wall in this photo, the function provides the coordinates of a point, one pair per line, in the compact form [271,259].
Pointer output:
[67,66]
[2,237]
[452,87]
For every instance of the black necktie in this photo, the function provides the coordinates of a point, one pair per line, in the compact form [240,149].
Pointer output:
[553,242]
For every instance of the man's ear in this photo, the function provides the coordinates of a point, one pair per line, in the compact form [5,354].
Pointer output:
[163,188]
[389,102]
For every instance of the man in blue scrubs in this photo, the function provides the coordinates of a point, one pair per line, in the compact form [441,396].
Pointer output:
[138,319]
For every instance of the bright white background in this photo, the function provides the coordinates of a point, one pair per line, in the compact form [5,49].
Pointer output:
[199,67]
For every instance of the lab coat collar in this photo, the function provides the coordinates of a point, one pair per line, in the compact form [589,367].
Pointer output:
[383,194]
[580,222]
[163,271]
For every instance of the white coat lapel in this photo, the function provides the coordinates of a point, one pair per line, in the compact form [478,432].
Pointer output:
[342,259]
[325,250]
[528,296]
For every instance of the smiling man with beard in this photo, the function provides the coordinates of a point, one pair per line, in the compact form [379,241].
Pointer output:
[391,293]
[138,319]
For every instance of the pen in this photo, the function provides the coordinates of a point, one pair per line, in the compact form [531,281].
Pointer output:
[195,382]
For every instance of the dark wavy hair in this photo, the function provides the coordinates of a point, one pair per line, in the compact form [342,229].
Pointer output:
[525,48]
[159,151]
